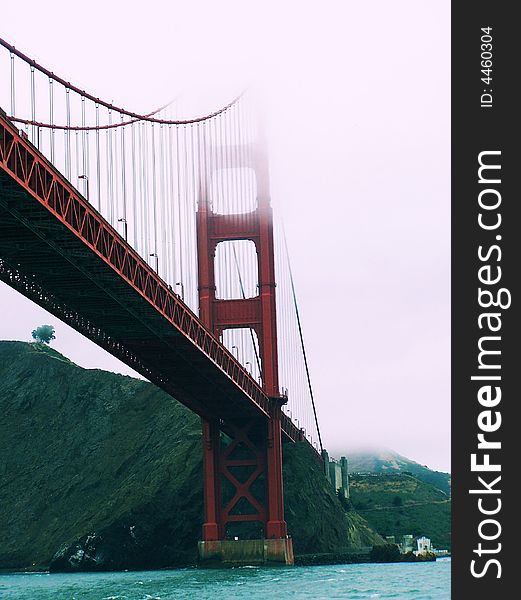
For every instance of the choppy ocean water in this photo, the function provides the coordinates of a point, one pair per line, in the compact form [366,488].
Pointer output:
[414,581]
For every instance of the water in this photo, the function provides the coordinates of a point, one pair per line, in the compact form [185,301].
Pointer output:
[417,581]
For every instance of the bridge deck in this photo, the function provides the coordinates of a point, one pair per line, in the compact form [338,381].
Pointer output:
[56,249]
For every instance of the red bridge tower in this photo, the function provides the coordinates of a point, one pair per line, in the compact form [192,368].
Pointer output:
[243,478]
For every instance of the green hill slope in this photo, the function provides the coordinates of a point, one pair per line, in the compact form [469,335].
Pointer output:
[398,504]
[385,461]
[108,468]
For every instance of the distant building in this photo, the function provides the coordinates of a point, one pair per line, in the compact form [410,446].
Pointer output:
[424,546]
[407,544]
[337,474]
[390,539]
[345,477]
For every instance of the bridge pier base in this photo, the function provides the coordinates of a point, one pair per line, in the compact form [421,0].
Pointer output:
[246,552]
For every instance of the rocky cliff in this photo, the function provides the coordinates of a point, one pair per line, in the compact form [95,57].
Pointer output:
[103,471]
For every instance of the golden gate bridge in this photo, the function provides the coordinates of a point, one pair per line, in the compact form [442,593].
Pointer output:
[154,236]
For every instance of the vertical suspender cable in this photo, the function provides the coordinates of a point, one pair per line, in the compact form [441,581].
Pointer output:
[154,194]
[77,153]
[85,144]
[146,195]
[171,183]
[51,118]
[108,169]
[35,138]
[134,190]
[13,86]
[68,135]
[192,285]
[178,204]
[98,159]
[124,179]
[163,202]
[115,181]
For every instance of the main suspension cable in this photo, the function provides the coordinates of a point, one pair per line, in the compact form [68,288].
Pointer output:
[301,337]
[109,105]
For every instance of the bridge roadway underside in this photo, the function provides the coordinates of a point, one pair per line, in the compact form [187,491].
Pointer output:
[51,265]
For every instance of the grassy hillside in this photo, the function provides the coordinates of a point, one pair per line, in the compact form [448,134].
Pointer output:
[398,504]
[107,467]
[386,461]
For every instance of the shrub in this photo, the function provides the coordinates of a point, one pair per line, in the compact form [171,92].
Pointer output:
[44,334]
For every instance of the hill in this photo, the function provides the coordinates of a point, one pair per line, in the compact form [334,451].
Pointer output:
[107,469]
[398,504]
[387,461]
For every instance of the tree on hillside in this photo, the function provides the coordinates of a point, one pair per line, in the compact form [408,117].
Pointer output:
[44,334]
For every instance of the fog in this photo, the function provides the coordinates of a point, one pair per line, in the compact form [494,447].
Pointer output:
[356,104]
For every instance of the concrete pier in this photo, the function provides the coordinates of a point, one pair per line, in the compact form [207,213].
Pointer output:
[246,552]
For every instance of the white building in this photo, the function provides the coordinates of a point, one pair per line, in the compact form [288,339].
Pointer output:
[424,546]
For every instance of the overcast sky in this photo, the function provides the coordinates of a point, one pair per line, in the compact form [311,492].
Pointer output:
[357,103]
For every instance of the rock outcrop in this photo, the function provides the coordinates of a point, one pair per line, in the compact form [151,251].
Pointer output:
[103,471]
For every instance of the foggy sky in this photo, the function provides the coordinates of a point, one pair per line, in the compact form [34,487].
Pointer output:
[357,109]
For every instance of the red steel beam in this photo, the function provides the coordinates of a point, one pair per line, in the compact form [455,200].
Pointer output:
[25,165]
[31,170]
